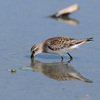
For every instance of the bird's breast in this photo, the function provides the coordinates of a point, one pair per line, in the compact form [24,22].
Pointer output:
[60,52]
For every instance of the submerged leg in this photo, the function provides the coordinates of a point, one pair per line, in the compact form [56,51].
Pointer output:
[71,58]
[62,59]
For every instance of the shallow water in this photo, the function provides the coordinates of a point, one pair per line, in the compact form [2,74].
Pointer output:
[23,24]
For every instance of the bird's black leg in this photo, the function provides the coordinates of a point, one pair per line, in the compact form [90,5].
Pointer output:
[62,59]
[71,58]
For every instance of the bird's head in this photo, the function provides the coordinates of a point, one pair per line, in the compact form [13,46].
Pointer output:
[36,49]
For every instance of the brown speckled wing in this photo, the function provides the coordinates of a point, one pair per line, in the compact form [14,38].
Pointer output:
[58,43]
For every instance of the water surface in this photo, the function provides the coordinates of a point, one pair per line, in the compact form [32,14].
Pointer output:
[25,23]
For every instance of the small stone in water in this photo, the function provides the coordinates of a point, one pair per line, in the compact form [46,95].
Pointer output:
[13,70]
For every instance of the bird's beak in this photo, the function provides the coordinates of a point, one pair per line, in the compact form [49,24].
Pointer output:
[32,55]
[32,58]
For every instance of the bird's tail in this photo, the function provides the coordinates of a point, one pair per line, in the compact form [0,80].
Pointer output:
[88,39]
[87,80]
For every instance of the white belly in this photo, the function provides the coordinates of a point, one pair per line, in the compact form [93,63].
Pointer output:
[63,51]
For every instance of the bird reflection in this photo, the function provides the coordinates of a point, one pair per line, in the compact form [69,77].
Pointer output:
[58,71]
[66,19]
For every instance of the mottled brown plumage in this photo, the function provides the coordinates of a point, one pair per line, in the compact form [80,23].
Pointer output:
[58,43]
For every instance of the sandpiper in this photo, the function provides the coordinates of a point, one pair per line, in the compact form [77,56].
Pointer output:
[58,46]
